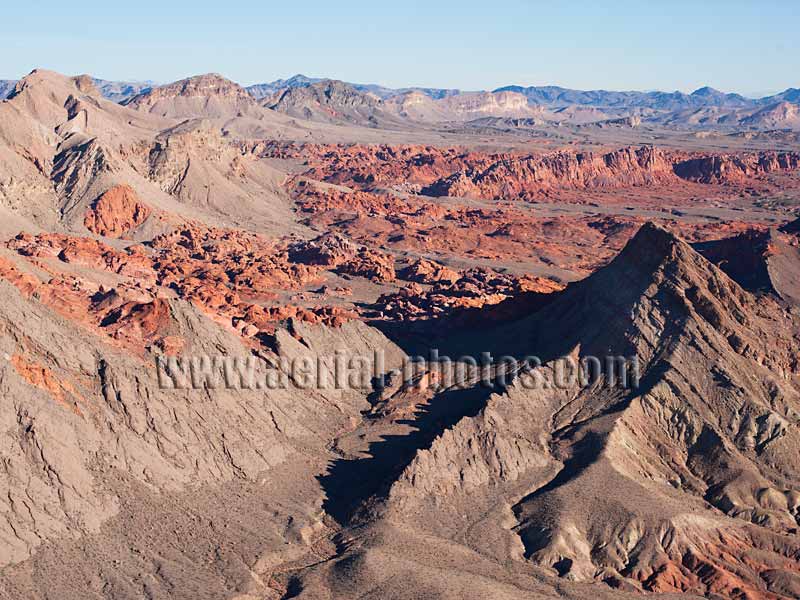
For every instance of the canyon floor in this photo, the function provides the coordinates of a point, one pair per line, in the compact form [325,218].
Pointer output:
[196,220]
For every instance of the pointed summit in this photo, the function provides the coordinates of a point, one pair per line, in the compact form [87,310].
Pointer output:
[707,92]
[655,273]
[651,243]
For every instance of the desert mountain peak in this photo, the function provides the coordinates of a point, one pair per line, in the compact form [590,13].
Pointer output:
[50,82]
[206,85]
[655,270]
[652,244]
[655,257]
[202,96]
[706,91]
[333,101]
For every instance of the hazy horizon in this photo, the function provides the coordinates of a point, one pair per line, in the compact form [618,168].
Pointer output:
[753,95]
[737,47]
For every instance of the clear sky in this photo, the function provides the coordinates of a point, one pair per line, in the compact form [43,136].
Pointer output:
[748,47]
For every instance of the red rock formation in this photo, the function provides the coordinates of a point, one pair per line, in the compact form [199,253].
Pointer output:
[141,320]
[728,168]
[511,176]
[507,231]
[43,378]
[404,167]
[241,262]
[477,288]
[170,345]
[313,200]
[132,262]
[224,273]
[333,250]
[370,264]
[328,250]
[427,271]
[116,212]
[24,282]
[455,172]
[92,307]
[218,270]
[266,319]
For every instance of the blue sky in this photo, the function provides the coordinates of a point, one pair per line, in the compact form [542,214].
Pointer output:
[747,47]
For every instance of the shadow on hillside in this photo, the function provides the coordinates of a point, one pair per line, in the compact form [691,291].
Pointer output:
[349,483]
[461,332]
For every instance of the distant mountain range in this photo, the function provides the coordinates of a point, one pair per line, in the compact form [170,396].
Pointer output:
[555,96]
[121,90]
[263,90]
[371,105]
[335,101]
[6,85]
[552,96]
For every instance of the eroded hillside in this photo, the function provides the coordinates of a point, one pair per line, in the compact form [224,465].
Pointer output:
[194,221]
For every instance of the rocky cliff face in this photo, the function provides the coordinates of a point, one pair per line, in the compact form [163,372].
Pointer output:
[627,167]
[492,103]
[522,176]
[454,172]
[732,169]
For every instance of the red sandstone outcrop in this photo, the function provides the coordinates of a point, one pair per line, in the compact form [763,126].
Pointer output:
[525,176]
[476,288]
[238,261]
[266,319]
[132,262]
[327,250]
[427,271]
[455,172]
[728,168]
[404,167]
[116,212]
[370,264]
[138,320]
[314,200]
[43,378]
[24,282]
[506,231]
[334,251]
[117,312]
[223,272]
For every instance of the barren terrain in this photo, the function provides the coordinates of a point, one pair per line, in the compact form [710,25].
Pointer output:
[310,220]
